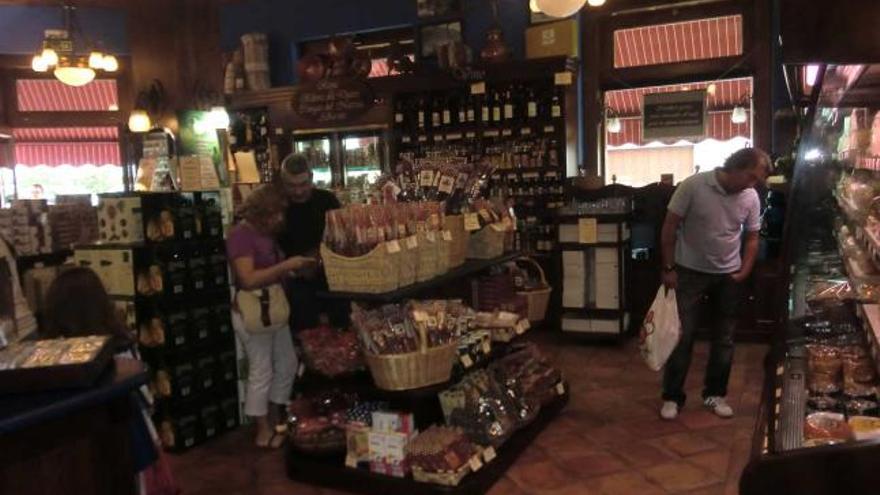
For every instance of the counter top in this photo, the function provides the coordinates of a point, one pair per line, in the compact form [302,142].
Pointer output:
[20,411]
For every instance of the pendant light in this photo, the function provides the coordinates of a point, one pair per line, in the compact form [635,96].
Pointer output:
[218,118]
[613,125]
[533,6]
[77,75]
[596,3]
[139,121]
[560,8]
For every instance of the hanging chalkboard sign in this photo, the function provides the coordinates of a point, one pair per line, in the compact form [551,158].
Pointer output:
[676,115]
[333,101]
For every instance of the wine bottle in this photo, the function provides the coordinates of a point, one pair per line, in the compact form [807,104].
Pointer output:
[420,111]
[435,112]
[496,108]
[531,104]
[471,109]
[556,105]
[508,107]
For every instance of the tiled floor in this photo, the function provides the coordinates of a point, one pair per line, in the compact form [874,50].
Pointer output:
[609,440]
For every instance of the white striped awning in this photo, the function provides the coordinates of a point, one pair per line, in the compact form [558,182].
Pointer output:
[718,127]
[728,94]
[51,95]
[55,154]
[678,42]
[64,134]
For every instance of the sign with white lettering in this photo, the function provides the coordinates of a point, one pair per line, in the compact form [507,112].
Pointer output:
[333,101]
[674,115]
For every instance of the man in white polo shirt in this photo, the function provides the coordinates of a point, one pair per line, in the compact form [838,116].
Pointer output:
[709,245]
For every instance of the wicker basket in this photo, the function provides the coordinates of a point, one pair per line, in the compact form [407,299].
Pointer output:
[537,300]
[427,266]
[414,369]
[330,441]
[458,251]
[487,243]
[409,262]
[372,273]
[449,478]
[444,248]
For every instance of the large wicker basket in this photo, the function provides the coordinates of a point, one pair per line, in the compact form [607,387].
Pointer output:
[487,243]
[444,247]
[414,369]
[458,250]
[409,261]
[372,273]
[538,300]
[427,266]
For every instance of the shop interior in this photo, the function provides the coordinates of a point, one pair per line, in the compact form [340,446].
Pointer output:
[428,247]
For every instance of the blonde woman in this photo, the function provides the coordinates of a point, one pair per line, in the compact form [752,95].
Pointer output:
[257,263]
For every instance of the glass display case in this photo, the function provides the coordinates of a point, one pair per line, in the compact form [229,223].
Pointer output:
[345,161]
[361,158]
[317,151]
[819,422]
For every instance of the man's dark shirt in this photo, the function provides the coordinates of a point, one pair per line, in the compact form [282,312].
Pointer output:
[304,228]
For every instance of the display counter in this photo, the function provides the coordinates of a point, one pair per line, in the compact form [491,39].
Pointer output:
[71,441]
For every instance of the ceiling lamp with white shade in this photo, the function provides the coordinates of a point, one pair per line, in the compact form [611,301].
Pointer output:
[596,3]
[533,6]
[58,54]
[560,8]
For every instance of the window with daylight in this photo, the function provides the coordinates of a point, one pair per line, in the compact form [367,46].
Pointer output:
[701,39]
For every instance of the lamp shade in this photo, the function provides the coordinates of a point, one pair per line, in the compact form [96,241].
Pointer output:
[110,63]
[49,56]
[533,6]
[139,121]
[739,115]
[96,60]
[613,125]
[75,76]
[560,8]
[38,64]
[218,118]
[596,3]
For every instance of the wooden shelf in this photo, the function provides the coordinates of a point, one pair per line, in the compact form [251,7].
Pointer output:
[469,267]
[330,471]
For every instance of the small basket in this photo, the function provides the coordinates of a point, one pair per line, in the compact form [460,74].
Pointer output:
[330,441]
[487,243]
[409,262]
[447,478]
[372,273]
[414,369]
[458,250]
[427,266]
[444,247]
[537,300]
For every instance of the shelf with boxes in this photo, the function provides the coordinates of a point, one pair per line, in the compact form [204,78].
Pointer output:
[163,261]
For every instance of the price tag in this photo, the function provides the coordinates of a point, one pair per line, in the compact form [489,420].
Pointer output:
[471,134]
[525,131]
[471,222]
[508,111]
[351,462]
[533,109]
[447,183]
[423,139]
[522,326]
[453,137]
[426,178]
[506,132]
[587,230]
[489,454]
[279,131]
[484,114]
[549,129]
[485,214]
[556,111]
[560,388]
[393,246]
[398,117]
[563,78]
[487,347]
[447,235]
[478,88]
[466,361]
[406,139]
[412,242]
[475,463]
[447,117]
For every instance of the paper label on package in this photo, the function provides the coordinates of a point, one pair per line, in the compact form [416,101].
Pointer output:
[412,242]
[560,388]
[447,117]
[563,78]
[587,231]
[489,454]
[453,137]
[525,131]
[426,178]
[393,246]
[398,117]
[447,235]
[491,133]
[406,139]
[533,109]
[350,462]
[279,131]
[431,236]
[549,129]
[466,361]
[487,347]
[522,326]
[447,183]
[471,222]
[423,139]
[506,132]
[485,214]
[475,463]
[471,134]
[508,111]
[478,88]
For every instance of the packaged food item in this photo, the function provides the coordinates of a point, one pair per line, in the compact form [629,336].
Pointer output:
[440,449]
[825,425]
[825,403]
[864,428]
[410,327]
[861,407]
[331,352]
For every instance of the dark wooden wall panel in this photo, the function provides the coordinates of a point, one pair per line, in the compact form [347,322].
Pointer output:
[844,31]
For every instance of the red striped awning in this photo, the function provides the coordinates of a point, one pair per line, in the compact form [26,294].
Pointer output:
[728,94]
[718,127]
[55,154]
[678,42]
[51,95]
[65,134]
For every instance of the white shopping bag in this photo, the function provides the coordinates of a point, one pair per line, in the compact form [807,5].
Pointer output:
[661,329]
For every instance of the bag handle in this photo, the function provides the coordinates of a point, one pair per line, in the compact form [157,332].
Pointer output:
[536,265]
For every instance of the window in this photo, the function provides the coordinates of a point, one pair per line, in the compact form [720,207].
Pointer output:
[678,42]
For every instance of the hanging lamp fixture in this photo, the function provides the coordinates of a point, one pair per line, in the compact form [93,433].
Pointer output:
[58,53]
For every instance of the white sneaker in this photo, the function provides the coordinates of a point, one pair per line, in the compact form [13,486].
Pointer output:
[719,406]
[669,411]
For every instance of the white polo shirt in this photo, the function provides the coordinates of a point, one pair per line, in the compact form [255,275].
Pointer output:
[710,236]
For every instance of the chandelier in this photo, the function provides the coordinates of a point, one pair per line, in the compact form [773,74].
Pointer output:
[58,54]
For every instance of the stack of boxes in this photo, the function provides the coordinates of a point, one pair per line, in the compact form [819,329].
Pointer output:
[26,227]
[382,445]
[163,260]
[73,221]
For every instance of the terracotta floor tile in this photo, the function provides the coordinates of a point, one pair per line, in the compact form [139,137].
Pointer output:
[642,454]
[685,443]
[610,434]
[709,490]
[716,462]
[575,488]
[564,445]
[538,476]
[652,428]
[506,486]
[679,476]
[700,419]
[590,465]
[629,483]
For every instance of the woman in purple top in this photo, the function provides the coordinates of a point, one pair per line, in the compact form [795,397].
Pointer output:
[257,262]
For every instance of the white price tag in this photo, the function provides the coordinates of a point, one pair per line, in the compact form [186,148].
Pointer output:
[487,347]
[466,361]
[549,129]
[525,131]
[412,242]
[489,454]
[506,132]
[393,246]
[533,109]
[447,117]
[471,222]
[279,131]
[447,235]
[475,463]
[350,462]
[398,117]
[423,139]
[560,388]
[453,137]
[508,111]
[471,134]
[563,78]
[478,88]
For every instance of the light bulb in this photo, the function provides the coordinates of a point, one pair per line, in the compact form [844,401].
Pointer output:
[38,64]
[533,6]
[139,121]
[560,8]
[613,125]
[75,76]
[49,56]
[218,118]
[739,115]
[811,75]
[110,63]
[711,89]
[596,3]
[96,60]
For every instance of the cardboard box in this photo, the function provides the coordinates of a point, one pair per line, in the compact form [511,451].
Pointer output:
[552,39]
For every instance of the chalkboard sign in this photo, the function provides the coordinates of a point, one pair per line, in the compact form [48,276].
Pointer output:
[674,115]
[333,101]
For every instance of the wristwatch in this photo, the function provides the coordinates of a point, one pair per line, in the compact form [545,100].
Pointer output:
[668,268]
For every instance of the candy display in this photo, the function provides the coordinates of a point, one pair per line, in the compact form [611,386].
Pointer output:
[503,326]
[317,424]
[26,227]
[440,449]
[864,428]
[331,352]
[358,229]
[47,353]
[483,409]
[528,373]
[824,425]
[416,325]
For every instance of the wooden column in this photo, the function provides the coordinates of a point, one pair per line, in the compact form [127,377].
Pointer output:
[762,65]
[594,128]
